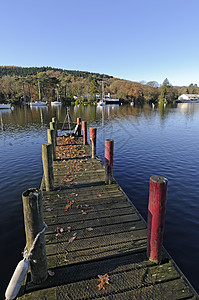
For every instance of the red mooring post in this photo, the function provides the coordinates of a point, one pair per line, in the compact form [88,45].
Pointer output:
[79,126]
[156,217]
[84,129]
[93,132]
[108,157]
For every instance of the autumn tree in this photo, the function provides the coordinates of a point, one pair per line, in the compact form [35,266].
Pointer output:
[93,88]
[168,92]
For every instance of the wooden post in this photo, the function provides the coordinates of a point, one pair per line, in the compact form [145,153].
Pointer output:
[93,141]
[84,129]
[54,119]
[156,217]
[51,140]
[79,126]
[48,166]
[108,156]
[53,126]
[33,219]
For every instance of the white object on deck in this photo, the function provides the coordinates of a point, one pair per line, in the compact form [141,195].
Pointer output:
[17,279]
[21,271]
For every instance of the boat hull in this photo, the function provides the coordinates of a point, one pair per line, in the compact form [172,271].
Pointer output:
[56,103]
[187,101]
[112,101]
[38,103]
[5,106]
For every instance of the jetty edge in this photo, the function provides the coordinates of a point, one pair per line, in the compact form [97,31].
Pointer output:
[96,242]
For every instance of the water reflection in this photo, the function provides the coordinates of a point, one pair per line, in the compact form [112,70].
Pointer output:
[148,140]
[4,112]
[188,108]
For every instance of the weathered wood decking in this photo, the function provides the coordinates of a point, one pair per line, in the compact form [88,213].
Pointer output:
[93,229]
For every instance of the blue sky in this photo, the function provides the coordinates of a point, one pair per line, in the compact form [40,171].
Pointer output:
[135,40]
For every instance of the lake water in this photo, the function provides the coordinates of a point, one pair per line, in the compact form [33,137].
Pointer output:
[147,141]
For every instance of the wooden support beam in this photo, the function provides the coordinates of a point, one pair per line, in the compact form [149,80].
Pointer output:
[53,125]
[33,219]
[156,217]
[93,132]
[84,129]
[79,126]
[52,140]
[108,159]
[48,166]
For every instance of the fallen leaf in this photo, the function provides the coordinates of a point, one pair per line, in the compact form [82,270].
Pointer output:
[49,209]
[79,206]
[89,229]
[51,273]
[104,279]
[69,229]
[59,229]
[72,239]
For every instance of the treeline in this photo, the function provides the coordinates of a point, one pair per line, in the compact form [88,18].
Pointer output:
[22,72]
[21,85]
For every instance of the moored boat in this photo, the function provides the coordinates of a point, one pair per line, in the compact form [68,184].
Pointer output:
[38,103]
[5,106]
[109,100]
[56,103]
[101,103]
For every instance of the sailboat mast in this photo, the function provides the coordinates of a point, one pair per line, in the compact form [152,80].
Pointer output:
[102,89]
[39,91]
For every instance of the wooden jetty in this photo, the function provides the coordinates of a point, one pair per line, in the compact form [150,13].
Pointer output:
[96,241]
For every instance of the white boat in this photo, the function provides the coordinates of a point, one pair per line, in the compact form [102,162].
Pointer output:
[101,103]
[56,103]
[109,100]
[39,102]
[187,101]
[5,106]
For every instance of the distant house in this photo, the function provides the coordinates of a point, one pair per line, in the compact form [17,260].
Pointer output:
[188,97]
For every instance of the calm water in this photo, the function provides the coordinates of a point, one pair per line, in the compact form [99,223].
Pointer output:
[162,141]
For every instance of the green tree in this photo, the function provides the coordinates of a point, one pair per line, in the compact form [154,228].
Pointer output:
[93,88]
[166,82]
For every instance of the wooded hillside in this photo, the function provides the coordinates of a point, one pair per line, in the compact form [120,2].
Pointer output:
[19,84]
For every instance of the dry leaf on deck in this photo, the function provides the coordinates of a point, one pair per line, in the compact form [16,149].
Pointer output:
[69,229]
[71,239]
[49,209]
[59,229]
[51,273]
[103,280]
[89,229]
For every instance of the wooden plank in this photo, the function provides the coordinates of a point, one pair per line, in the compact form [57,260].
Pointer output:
[125,280]
[92,222]
[85,214]
[70,256]
[51,211]
[97,231]
[85,240]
